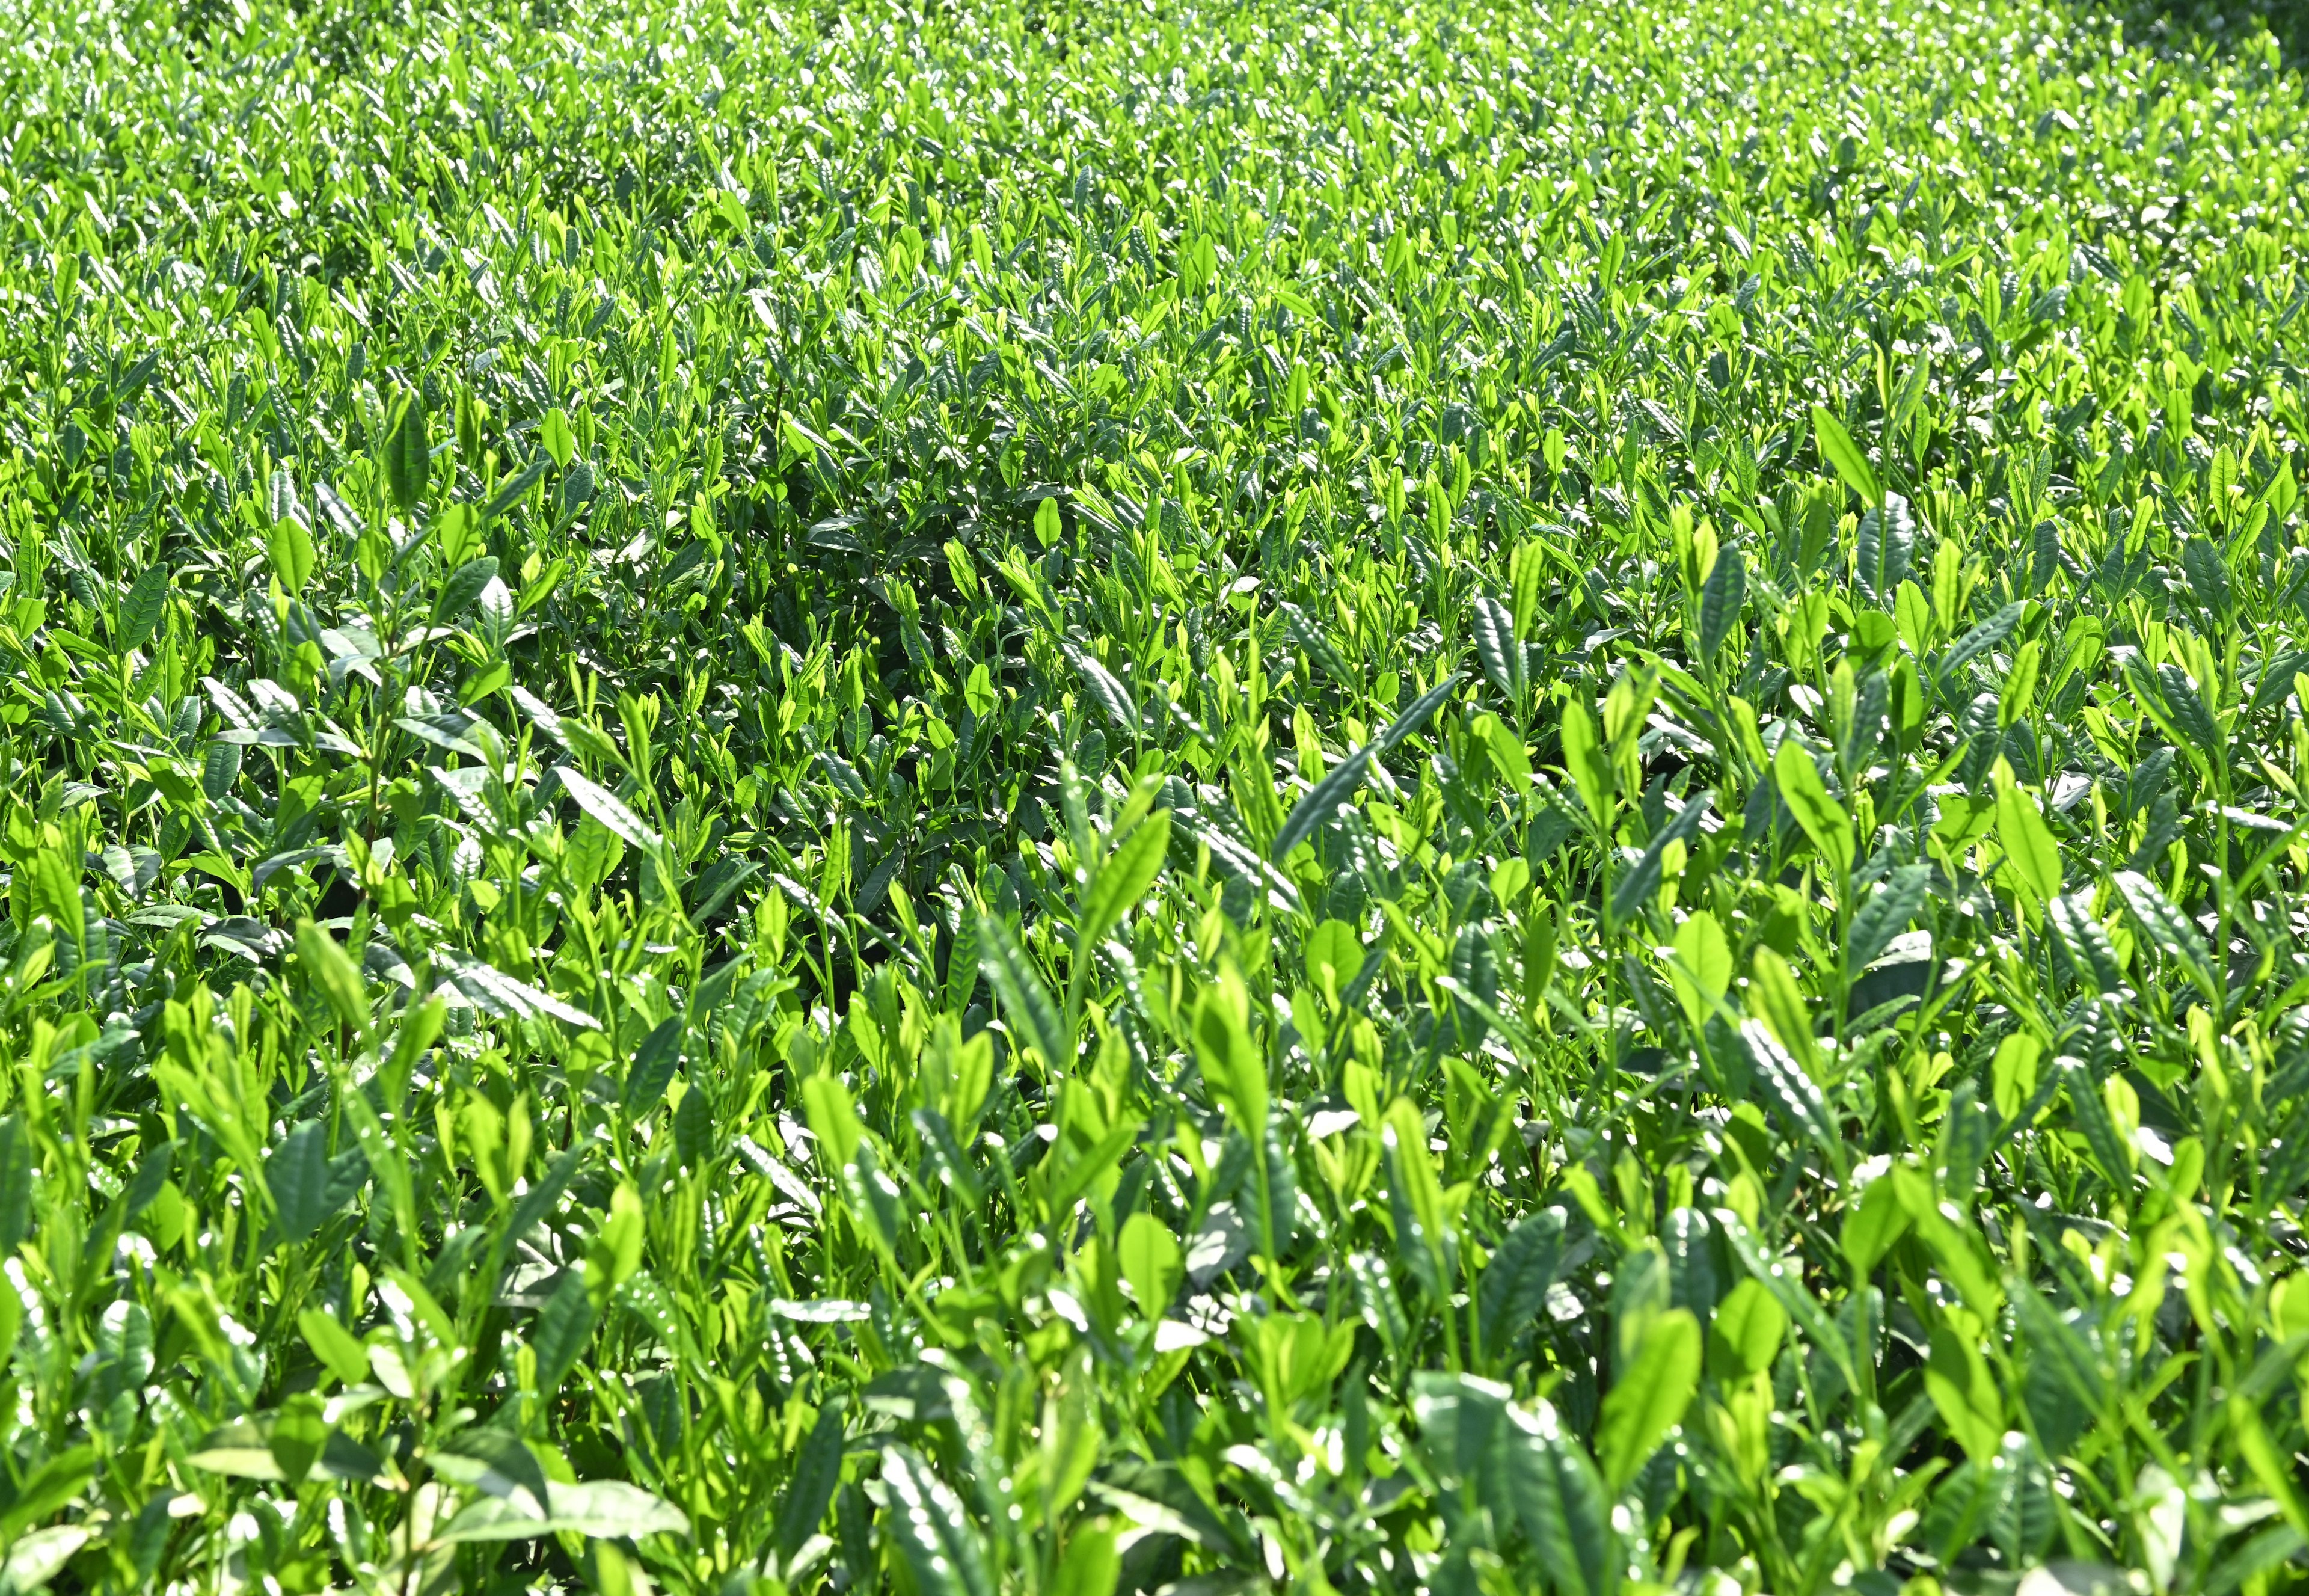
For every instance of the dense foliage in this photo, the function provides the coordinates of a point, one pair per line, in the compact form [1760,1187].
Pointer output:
[1132,799]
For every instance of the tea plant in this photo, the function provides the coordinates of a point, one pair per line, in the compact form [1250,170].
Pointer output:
[1461,798]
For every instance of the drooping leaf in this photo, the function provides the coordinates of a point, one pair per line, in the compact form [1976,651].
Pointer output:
[605,807]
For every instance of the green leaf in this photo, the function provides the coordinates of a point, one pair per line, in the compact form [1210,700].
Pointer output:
[2055,1341]
[1958,1381]
[1563,1503]
[1322,803]
[1822,818]
[1775,995]
[564,1328]
[298,1432]
[874,1199]
[334,1346]
[1586,762]
[816,1473]
[1648,1397]
[554,436]
[1515,1280]
[408,456]
[1461,1427]
[1092,1566]
[464,585]
[652,1070]
[598,1509]
[1744,1338]
[37,1557]
[2027,842]
[1888,540]
[140,610]
[2091,954]
[1335,947]
[833,1119]
[1123,877]
[1107,691]
[1499,649]
[1873,1224]
[1977,642]
[926,1522]
[978,691]
[515,488]
[1525,567]
[605,807]
[1885,915]
[1233,1061]
[1149,1257]
[2168,930]
[1790,1087]
[46,1488]
[16,1183]
[1836,448]
[1720,600]
[331,971]
[1639,881]
[289,548]
[1783,1280]
[297,1175]
[493,1460]
[1035,1021]
[244,1450]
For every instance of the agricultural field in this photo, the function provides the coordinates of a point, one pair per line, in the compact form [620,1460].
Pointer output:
[1183,798]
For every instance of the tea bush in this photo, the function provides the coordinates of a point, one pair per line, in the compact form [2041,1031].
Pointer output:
[1443,797]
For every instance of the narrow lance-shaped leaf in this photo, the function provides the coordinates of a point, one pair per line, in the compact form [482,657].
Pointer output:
[1026,1002]
[1515,1280]
[1838,450]
[1885,914]
[407,455]
[1499,649]
[1123,877]
[1720,600]
[1639,881]
[932,1533]
[2167,929]
[1340,784]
